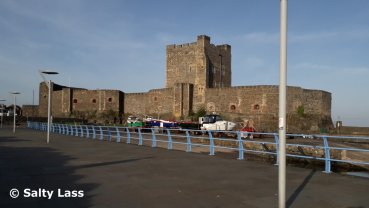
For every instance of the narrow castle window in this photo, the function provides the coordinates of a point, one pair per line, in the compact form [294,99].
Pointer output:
[93,100]
[110,99]
[155,98]
[75,101]
[256,107]
[233,107]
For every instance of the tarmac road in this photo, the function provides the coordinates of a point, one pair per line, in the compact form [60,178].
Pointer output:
[111,174]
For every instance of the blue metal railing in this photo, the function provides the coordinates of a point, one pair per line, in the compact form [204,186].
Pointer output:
[322,145]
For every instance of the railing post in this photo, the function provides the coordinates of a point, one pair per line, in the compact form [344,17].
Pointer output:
[87,132]
[327,156]
[101,133]
[75,125]
[212,148]
[93,132]
[68,129]
[80,127]
[153,144]
[128,136]
[170,141]
[240,146]
[276,139]
[109,134]
[140,137]
[60,129]
[118,134]
[189,145]
[71,130]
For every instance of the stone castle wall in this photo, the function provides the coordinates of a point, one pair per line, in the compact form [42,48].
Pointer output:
[260,104]
[68,101]
[154,102]
[198,75]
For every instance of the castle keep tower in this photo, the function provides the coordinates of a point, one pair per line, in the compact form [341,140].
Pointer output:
[201,63]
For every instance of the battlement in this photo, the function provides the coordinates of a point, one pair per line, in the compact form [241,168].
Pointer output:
[160,90]
[135,93]
[202,40]
[224,47]
[181,45]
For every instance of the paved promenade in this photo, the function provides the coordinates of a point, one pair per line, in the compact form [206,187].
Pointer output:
[110,174]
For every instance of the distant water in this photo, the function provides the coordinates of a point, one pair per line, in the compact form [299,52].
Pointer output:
[358,174]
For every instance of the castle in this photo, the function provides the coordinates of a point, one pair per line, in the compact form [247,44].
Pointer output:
[199,75]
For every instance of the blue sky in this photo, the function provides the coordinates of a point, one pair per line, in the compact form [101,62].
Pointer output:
[107,44]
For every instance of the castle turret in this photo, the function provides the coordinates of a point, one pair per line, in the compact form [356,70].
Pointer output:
[203,40]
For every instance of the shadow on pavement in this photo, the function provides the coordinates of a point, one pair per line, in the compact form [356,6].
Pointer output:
[40,168]
[299,189]
[12,139]
[108,163]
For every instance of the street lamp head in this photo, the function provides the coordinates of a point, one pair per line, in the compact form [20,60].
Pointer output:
[49,72]
[15,93]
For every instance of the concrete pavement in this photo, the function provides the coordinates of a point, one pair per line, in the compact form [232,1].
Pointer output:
[114,174]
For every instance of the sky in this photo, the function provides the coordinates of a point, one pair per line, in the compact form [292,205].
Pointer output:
[108,44]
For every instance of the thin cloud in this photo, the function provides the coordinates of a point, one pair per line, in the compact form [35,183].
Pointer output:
[260,38]
[343,70]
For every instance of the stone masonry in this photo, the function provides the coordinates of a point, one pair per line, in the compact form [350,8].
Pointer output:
[198,75]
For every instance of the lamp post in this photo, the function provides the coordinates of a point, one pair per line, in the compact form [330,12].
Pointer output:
[2,112]
[14,108]
[48,83]
[282,107]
